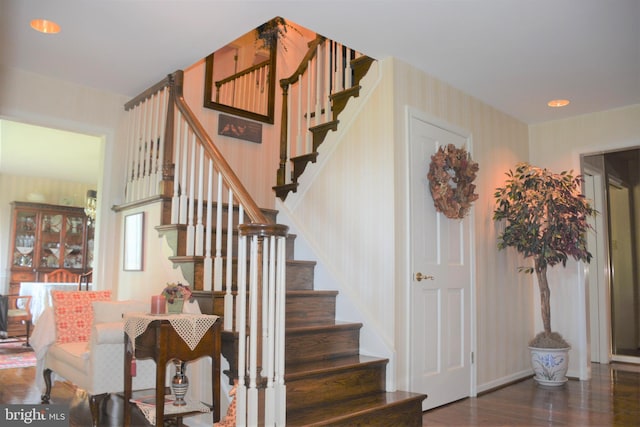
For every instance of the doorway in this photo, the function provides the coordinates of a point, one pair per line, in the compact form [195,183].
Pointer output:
[441,289]
[612,180]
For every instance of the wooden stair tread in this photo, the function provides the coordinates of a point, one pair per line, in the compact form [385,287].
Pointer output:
[330,325]
[315,367]
[340,413]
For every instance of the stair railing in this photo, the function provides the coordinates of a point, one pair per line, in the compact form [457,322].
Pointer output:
[325,70]
[247,89]
[171,154]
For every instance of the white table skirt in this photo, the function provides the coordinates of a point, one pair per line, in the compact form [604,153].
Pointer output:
[41,294]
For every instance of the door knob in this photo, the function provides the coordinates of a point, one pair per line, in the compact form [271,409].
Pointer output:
[419,277]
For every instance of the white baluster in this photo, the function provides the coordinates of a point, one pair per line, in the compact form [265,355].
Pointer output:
[131,117]
[217,270]
[192,196]
[175,201]
[161,132]
[252,398]
[228,297]
[241,326]
[183,178]
[270,404]
[208,262]
[199,250]
[281,389]
[348,71]
[136,155]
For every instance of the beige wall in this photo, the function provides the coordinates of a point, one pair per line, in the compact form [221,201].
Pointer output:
[368,216]
[503,296]
[557,145]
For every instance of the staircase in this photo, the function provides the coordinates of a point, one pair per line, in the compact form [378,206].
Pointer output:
[328,381]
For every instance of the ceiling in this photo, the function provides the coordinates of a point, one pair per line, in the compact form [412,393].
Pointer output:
[513,55]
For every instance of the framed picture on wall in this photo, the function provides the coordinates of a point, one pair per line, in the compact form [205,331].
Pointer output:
[133,240]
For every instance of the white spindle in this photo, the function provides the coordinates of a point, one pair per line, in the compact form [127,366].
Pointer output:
[146,131]
[129,165]
[161,131]
[192,195]
[348,71]
[155,141]
[199,251]
[228,297]
[327,80]
[307,134]
[241,325]
[318,100]
[136,163]
[175,201]
[264,304]
[183,176]
[252,398]
[217,269]
[208,263]
[281,389]
[298,134]
[269,394]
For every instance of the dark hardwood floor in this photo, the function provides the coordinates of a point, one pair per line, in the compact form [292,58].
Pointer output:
[610,398]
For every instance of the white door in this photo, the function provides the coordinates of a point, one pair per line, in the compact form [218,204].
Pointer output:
[440,318]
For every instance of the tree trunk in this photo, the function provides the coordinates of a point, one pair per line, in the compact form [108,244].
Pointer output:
[545,294]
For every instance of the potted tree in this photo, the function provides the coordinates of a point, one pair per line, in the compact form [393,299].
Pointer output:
[546,218]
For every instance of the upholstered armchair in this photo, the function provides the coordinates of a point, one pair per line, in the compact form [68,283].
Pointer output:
[18,320]
[92,359]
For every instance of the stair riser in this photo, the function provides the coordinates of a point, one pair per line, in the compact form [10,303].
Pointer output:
[325,343]
[334,386]
[310,310]
[300,311]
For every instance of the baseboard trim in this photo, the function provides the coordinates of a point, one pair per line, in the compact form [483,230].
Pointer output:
[504,381]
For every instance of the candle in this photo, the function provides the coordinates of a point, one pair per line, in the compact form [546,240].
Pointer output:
[158,304]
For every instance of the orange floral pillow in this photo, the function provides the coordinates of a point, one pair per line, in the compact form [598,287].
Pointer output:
[74,313]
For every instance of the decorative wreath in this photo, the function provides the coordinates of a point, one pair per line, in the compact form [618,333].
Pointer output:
[451,174]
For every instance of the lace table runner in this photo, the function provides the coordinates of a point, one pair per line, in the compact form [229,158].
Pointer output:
[190,327]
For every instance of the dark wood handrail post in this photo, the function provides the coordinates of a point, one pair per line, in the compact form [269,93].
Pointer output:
[168,165]
[284,124]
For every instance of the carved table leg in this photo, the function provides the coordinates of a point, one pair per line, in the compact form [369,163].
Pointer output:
[46,373]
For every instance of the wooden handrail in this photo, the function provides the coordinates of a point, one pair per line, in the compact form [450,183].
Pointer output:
[304,63]
[232,180]
[148,93]
[242,73]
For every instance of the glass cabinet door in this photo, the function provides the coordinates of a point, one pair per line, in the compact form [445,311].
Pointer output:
[73,240]
[25,239]
[90,237]
[50,236]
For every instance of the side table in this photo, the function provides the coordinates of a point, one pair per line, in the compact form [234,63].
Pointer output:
[163,343]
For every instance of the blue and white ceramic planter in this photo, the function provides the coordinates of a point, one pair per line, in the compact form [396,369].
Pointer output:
[550,365]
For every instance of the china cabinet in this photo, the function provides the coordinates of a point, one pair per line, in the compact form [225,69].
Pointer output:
[45,237]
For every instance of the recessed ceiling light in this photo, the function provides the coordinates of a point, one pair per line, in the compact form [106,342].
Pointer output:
[558,103]
[45,26]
